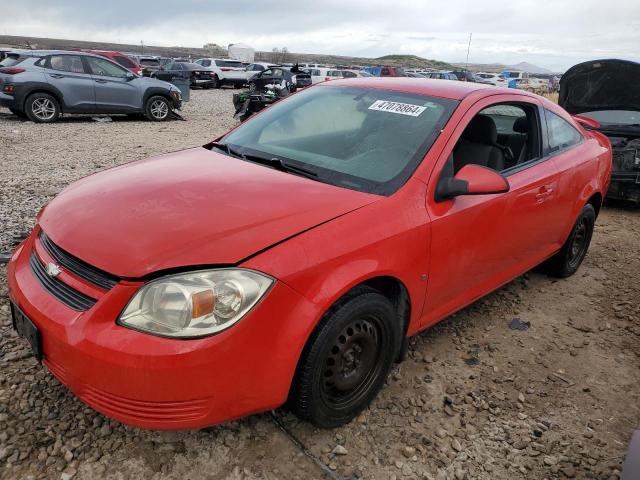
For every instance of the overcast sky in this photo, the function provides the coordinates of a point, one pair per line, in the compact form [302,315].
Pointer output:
[554,35]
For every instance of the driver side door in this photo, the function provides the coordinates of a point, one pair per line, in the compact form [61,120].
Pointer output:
[480,242]
[116,88]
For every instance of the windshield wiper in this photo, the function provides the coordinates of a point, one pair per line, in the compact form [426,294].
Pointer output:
[228,150]
[269,161]
[281,164]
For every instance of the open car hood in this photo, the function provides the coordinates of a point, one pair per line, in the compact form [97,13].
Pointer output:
[601,85]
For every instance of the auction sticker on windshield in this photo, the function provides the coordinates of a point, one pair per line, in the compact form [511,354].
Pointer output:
[397,107]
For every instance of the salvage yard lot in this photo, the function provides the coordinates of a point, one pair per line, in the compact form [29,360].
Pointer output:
[473,400]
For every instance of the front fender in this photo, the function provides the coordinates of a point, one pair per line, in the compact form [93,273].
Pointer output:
[388,238]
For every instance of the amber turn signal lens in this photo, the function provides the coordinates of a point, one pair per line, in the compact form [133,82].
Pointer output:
[202,303]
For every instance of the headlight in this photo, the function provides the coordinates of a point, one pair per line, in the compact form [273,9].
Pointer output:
[195,304]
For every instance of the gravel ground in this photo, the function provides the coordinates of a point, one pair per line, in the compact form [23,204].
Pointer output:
[474,399]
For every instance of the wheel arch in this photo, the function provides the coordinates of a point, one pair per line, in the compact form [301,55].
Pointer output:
[389,286]
[155,92]
[595,200]
[43,88]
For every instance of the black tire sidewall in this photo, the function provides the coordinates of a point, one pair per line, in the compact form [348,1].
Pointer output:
[308,398]
[561,265]
[216,82]
[147,108]
[28,104]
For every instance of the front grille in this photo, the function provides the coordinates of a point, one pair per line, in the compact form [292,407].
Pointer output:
[63,292]
[77,267]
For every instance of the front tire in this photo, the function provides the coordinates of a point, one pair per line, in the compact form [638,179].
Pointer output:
[216,82]
[42,108]
[567,261]
[346,360]
[157,109]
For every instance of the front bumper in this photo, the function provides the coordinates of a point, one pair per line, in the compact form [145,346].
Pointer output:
[161,383]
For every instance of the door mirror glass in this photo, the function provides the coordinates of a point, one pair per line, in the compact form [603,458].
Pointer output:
[130,76]
[472,180]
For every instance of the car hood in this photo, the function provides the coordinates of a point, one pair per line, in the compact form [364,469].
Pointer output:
[189,208]
[154,82]
[601,85]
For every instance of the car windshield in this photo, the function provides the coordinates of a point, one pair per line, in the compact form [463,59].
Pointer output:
[615,117]
[360,138]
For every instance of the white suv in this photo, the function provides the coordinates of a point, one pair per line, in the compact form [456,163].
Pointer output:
[493,78]
[225,71]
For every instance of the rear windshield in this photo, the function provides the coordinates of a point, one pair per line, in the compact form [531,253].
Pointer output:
[229,63]
[364,139]
[150,63]
[11,60]
[124,61]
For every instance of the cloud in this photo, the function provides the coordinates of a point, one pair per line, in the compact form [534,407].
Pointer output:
[503,32]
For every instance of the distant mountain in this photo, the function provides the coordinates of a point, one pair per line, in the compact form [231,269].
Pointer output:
[528,67]
[411,61]
[217,51]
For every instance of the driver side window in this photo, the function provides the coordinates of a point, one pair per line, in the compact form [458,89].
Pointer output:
[501,137]
[104,68]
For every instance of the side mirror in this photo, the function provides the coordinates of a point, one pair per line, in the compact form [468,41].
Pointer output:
[471,180]
[130,76]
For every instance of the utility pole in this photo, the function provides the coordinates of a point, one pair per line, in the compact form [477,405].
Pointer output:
[468,49]
[142,47]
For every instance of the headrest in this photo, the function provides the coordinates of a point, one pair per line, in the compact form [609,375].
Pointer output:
[482,129]
[521,125]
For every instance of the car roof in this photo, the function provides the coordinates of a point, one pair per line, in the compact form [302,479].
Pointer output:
[437,88]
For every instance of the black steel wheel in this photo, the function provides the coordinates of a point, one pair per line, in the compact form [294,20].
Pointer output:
[567,261]
[347,359]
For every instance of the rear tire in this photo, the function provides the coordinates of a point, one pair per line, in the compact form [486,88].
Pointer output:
[567,261]
[157,109]
[42,108]
[346,360]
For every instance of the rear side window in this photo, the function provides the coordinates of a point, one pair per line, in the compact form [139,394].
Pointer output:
[124,61]
[66,63]
[11,60]
[561,133]
[105,68]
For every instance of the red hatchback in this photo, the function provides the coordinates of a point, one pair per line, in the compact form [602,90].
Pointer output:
[291,258]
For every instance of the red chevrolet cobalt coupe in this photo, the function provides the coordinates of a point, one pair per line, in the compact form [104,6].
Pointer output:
[290,259]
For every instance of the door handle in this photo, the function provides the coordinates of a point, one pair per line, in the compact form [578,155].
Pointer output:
[101,81]
[543,193]
[56,75]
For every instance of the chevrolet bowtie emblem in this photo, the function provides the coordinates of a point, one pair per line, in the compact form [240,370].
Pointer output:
[52,270]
